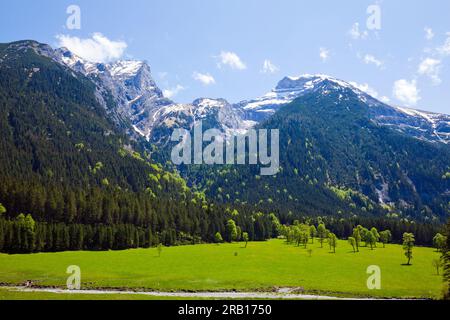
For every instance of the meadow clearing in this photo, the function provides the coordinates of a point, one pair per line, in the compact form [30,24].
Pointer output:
[262,266]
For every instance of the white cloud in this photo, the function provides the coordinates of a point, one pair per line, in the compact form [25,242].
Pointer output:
[232,60]
[365,88]
[370,59]
[324,54]
[445,48]
[429,34]
[406,91]
[98,48]
[172,92]
[269,67]
[356,34]
[370,91]
[431,68]
[385,99]
[204,78]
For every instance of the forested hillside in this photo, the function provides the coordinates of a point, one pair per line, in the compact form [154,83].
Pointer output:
[64,162]
[336,161]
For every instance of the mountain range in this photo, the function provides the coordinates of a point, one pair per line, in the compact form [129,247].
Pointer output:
[342,150]
[140,100]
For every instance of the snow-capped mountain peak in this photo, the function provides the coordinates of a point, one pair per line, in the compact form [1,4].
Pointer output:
[291,88]
[419,124]
[120,70]
[308,81]
[125,68]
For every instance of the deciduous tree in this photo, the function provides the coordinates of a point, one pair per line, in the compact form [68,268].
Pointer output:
[375,234]
[218,238]
[408,245]
[321,232]
[370,240]
[437,263]
[352,242]
[439,241]
[332,240]
[245,238]
[159,248]
[231,230]
[446,263]
[385,237]
[357,236]
[312,232]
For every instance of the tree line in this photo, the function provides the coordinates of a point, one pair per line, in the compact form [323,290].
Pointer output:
[303,234]
[23,234]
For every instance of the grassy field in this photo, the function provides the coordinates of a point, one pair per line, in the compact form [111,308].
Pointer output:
[260,266]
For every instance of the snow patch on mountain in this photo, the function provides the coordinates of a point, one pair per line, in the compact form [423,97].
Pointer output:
[432,118]
[125,69]
[428,122]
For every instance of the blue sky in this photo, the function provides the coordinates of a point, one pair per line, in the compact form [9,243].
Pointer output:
[240,49]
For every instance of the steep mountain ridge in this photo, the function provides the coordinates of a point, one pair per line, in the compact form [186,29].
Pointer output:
[141,102]
[426,126]
[130,84]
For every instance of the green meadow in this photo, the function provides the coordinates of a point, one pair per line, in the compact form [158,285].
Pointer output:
[262,266]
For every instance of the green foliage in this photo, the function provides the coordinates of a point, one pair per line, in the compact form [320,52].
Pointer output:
[437,264]
[439,241]
[137,156]
[357,236]
[122,152]
[231,231]
[352,242]
[322,233]
[79,146]
[159,248]
[375,234]
[332,241]
[446,262]
[408,245]
[218,237]
[385,237]
[370,240]
[245,238]
[98,166]
[343,195]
